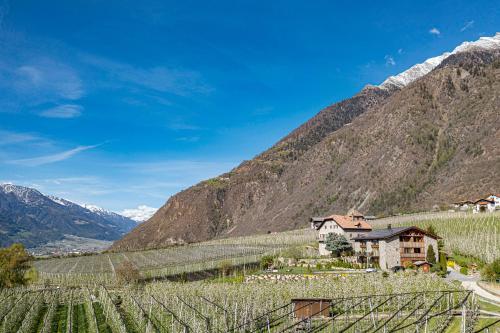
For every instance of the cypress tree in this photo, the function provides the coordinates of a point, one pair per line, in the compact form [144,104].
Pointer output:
[431,255]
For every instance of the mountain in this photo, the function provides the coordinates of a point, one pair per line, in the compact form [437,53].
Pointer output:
[426,137]
[32,218]
[117,219]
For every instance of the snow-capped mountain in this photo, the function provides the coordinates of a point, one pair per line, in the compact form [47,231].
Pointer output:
[112,216]
[139,214]
[419,70]
[32,218]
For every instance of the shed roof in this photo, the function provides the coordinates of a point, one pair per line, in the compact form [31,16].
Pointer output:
[390,232]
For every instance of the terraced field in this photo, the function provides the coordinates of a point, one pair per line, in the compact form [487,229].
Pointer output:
[171,261]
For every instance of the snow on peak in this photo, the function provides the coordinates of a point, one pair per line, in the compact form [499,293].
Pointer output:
[25,194]
[95,209]
[57,200]
[417,71]
[139,214]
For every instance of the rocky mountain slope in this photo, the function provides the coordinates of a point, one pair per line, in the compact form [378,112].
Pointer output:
[430,139]
[29,217]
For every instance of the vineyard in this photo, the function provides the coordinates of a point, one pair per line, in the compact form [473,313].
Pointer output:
[476,235]
[366,303]
[170,261]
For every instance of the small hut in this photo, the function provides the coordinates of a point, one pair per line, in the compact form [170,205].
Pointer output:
[423,265]
[311,307]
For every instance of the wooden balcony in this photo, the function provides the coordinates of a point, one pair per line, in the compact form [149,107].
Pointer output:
[411,244]
[413,256]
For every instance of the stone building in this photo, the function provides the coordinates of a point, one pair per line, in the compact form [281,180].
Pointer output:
[350,226]
[393,247]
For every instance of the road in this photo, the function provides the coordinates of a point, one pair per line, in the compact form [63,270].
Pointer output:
[470,283]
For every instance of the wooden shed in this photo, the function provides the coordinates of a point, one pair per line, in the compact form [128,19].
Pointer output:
[311,307]
[423,265]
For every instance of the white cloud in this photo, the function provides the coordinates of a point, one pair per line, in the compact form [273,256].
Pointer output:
[467,25]
[8,138]
[435,31]
[400,51]
[34,83]
[139,214]
[48,80]
[389,60]
[63,111]
[177,81]
[47,159]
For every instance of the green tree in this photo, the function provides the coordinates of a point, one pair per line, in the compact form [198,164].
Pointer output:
[337,244]
[431,255]
[14,262]
[266,261]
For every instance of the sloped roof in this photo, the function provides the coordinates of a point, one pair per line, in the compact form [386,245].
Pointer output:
[484,201]
[390,232]
[345,222]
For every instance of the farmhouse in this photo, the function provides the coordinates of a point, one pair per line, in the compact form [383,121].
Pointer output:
[484,205]
[350,226]
[393,247]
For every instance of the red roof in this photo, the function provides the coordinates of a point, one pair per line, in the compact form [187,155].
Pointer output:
[347,222]
[484,202]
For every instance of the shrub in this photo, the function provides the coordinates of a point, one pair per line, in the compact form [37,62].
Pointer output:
[14,263]
[431,255]
[464,270]
[127,273]
[319,266]
[491,272]
[337,244]
[266,262]
[225,268]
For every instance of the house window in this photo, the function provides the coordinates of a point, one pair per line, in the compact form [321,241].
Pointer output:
[416,250]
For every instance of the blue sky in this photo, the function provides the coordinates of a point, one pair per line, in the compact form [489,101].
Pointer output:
[124,103]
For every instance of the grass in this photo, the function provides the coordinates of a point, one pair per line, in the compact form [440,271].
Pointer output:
[37,327]
[59,321]
[102,325]
[128,320]
[79,319]
[487,306]
[483,322]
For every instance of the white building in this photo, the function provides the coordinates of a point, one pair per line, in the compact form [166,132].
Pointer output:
[496,199]
[350,226]
[484,205]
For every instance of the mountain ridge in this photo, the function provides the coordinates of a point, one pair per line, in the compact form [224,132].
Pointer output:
[334,160]
[30,217]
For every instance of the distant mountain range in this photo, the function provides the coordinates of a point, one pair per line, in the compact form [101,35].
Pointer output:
[32,218]
[426,137]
